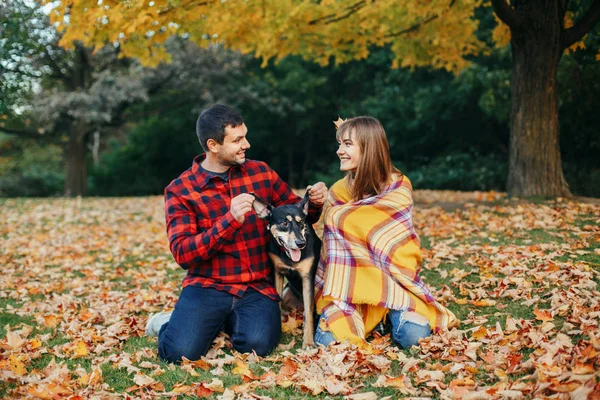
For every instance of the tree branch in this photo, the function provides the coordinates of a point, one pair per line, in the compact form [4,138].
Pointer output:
[417,25]
[506,14]
[20,132]
[190,6]
[412,28]
[334,18]
[583,26]
[159,85]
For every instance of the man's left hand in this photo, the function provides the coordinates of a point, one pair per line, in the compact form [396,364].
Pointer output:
[317,194]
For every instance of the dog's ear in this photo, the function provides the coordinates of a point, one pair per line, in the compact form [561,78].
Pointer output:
[303,204]
[262,209]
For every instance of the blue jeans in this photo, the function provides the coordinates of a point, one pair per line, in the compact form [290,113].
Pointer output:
[405,333]
[253,322]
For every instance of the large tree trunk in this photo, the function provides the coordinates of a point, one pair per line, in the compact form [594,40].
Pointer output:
[535,167]
[76,168]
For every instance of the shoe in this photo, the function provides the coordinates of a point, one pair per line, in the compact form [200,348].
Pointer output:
[156,321]
[380,328]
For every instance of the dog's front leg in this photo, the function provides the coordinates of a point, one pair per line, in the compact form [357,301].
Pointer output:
[278,283]
[308,293]
[277,270]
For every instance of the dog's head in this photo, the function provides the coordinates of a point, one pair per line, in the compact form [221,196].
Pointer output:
[287,224]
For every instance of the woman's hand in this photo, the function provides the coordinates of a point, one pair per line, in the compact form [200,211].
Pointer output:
[317,193]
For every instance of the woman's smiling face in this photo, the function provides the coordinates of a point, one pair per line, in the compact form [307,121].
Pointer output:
[349,153]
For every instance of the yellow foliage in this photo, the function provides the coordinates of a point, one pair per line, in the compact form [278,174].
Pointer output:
[501,33]
[435,32]
[568,24]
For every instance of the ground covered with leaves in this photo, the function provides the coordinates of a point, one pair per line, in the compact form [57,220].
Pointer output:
[80,278]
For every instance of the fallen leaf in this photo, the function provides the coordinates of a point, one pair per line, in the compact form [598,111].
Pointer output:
[542,315]
[362,396]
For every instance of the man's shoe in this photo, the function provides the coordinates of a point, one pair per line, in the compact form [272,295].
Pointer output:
[156,321]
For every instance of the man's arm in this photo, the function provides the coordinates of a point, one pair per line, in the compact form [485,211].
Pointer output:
[188,246]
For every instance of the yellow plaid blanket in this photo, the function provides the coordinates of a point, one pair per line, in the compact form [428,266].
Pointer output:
[370,262]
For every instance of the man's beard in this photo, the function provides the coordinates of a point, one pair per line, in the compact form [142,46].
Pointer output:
[232,161]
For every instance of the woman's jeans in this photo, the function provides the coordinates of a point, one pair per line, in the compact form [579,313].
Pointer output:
[405,333]
[253,322]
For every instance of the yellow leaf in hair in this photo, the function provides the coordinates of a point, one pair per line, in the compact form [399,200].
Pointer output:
[338,122]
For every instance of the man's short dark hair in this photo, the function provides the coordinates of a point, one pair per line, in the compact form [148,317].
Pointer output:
[213,121]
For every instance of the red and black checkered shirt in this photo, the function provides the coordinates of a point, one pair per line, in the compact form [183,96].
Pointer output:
[206,240]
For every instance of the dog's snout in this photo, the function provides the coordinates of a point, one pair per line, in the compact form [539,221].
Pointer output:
[300,243]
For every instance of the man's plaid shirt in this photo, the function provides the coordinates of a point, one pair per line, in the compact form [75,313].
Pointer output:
[206,240]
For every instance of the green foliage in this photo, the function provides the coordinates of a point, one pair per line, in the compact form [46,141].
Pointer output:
[583,181]
[429,113]
[24,37]
[156,152]
[461,171]
[579,85]
[30,169]
[289,110]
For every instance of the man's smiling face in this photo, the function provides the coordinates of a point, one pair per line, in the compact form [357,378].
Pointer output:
[233,150]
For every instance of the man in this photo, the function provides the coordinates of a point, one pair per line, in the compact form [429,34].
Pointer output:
[215,235]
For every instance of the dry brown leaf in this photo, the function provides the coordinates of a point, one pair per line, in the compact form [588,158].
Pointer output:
[313,386]
[142,379]
[362,396]
[14,340]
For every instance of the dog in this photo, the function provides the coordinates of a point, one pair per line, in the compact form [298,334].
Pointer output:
[294,249]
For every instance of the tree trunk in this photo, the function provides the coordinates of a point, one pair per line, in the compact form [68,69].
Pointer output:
[76,168]
[535,167]
[80,77]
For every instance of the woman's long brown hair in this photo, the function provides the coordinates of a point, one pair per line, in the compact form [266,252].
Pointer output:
[375,167]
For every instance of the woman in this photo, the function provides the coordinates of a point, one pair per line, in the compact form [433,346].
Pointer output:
[371,255]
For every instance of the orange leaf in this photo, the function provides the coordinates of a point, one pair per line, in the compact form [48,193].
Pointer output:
[35,344]
[514,360]
[51,321]
[483,303]
[202,391]
[543,315]
[488,357]
[397,382]
[289,368]
[567,387]
[479,333]
[50,391]
[196,364]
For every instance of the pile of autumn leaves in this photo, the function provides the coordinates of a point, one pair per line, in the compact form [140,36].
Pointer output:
[86,274]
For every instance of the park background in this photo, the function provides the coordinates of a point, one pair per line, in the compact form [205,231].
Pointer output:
[81,122]
[99,99]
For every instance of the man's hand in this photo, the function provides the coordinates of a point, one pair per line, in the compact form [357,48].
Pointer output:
[317,193]
[240,205]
